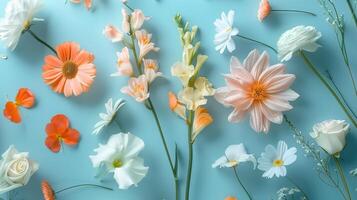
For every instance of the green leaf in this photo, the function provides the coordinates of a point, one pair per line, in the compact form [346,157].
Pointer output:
[176,160]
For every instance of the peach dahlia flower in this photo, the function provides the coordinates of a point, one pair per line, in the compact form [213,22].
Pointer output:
[259,89]
[71,72]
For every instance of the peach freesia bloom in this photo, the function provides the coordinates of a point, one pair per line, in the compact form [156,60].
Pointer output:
[176,106]
[71,72]
[123,64]
[113,34]
[87,3]
[125,21]
[47,191]
[264,10]
[202,120]
[137,19]
[151,69]
[145,44]
[230,198]
[254,87]
[137,88]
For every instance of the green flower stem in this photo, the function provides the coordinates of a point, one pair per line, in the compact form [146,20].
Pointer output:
[328,86]
[296,11]
[297,186]
[352,11]
[84,185]
[190,154]
[151,107]
[240,182]
[343,177]
[42,42]
[256,41]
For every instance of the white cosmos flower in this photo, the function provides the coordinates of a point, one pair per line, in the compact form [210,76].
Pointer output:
[224,32]
[107,118]
[19,15]
[234,155]
[120,156]
[296,39]
[274,160]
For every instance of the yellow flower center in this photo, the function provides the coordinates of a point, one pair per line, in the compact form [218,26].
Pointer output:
[151,66]
[26,25]
[117,163]
[70,69]
[138,88]
[233,162]
[229,29]
[144,40]
[258,92]
[278,163]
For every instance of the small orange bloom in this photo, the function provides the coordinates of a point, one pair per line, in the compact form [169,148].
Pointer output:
[87,3]
[202,120]
[71,72]
[47,191]
[176,106]
[264,10]
[230,198]
[24,98]
[58,131]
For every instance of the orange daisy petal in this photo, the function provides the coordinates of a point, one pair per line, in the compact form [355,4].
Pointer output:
[61,123]
[71,137]
[12,112]
[67,51]
[53,143]
[25,98]
[47,191]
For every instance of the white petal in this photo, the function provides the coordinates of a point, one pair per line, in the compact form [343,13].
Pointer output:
[131,173]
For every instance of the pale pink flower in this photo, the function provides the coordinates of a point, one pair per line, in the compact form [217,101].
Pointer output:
[254,87]
[145,44]
[151,69]
[125,23]
[137,19]
[137,88]
[113,34]
[123,64]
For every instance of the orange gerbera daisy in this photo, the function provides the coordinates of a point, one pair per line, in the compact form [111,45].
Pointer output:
[71,72]
[24,98]
[58,131]
[47,191]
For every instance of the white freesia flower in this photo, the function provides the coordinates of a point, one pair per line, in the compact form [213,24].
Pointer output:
[234,155]
[331,135]
[296,39]
[16,169]
[120,156]
[107,118]
[183,72]
[224,32]
[274,160]
[19,15]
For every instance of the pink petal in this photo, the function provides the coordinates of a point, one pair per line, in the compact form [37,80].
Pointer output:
[251,59]
[276,104]
[271,72]
[280,83]
[256,119]
[261,64]
[271,115]
[236,116]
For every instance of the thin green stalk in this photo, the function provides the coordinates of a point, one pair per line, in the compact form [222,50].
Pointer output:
[343,177]
[297,186]
[240,182]
[84,185]
[137,61]
[297,11]
[253,40]
[42,42]
[352,11]
[328,86]
[190,154]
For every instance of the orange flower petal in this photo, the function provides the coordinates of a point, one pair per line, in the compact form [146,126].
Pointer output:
[172,100]
[67,51]
[47,191]
[202,120]
[12,112]
[230,198]
[264,10]
[88,4]
[53,143]
[71,137]
[60,123]
[25,98]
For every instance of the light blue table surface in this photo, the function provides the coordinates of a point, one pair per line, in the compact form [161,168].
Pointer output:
[68,22]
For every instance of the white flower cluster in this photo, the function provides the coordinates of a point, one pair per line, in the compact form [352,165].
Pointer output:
[284,193]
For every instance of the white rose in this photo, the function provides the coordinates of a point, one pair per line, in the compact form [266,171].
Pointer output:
[296,39]
[15,169]
[331,135]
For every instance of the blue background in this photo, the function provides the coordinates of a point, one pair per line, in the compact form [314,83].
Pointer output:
[69,22]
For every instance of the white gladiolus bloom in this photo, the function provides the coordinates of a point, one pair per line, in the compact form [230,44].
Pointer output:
[224,32]
[120,156]
[19,15]
[298,38]
[234,155]
[274,160]
[331,135]
[107,118]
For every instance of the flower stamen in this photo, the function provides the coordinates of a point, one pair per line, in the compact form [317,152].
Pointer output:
[70,70]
